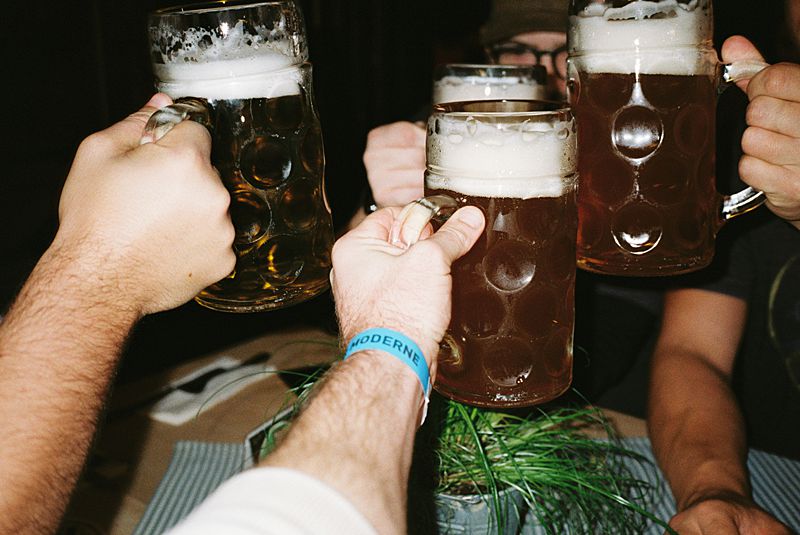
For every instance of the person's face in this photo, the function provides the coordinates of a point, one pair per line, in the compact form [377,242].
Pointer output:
[550,47]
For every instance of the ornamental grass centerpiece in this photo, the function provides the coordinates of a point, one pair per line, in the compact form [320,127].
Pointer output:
[550,470]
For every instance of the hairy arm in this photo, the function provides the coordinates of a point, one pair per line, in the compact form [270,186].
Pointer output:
[367,455]
[142,229]
[357,433]
[694,420]
[58,348]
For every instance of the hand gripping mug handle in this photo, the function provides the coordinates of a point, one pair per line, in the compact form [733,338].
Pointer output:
[163,120]
[748,199]
[416,215]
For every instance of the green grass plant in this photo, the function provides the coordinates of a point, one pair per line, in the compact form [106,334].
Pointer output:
[573,482]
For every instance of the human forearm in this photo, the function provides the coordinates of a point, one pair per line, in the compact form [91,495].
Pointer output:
[357,432]
[367,456]
[58,348]
[696,428]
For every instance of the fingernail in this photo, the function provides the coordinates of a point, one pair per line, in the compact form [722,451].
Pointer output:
[471,216]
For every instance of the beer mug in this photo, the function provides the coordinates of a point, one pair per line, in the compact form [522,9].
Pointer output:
[643,84]
[455,82]
[242,70]
[509,342]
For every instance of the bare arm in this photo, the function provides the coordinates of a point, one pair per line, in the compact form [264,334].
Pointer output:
[694,420]
[357,433]
[114,259]
[58,349]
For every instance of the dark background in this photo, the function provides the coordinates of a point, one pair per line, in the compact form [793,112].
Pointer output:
[72,68]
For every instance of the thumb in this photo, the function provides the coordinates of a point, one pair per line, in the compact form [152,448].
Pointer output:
[738,48]
[459,233]
[127,132]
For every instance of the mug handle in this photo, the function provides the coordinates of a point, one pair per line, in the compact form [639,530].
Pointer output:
[748,199]
[416,215]
[163,120]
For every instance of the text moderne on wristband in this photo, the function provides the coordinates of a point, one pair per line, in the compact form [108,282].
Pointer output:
[399,346]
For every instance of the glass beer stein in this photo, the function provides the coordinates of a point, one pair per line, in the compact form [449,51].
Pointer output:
[242,70]
[643,83]
[456,82]
[509,342]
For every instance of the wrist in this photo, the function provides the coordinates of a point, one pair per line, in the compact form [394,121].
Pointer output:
[399,348]
[427,342]
[95,273]
[716,495]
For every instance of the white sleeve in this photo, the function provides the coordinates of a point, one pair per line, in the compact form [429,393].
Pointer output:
[266,501]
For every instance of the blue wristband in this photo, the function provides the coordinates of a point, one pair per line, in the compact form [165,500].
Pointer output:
[397,345]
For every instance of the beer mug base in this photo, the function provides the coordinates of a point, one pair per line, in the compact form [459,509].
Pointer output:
[264,301]
[504,401]
[636,267]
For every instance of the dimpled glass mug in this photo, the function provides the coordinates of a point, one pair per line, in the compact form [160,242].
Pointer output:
[456,82]
[242,70]
[643,82]
[509,342]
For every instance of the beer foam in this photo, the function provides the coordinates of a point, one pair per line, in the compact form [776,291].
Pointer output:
[267,74]
[662,37]
[458,88]
[227,62]
[537,160]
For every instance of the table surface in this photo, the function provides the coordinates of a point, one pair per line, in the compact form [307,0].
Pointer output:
[132,452]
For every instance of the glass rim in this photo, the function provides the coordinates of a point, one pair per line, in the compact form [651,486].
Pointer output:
[498,66]
[527,108]
[198,8]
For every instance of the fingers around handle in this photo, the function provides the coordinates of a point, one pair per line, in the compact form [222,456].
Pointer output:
[749,198]
[166,118]
[415,216]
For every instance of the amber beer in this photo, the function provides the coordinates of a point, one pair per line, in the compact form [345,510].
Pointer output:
[643,86]
[509,342]
[648,203]
[266,144]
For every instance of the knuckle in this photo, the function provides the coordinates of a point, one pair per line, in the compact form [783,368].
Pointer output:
[220,198]
[228,235]
[191,156]
[95,143]
[339,249]
[747,168]
[775,79]
[758,110]
[229,264]
[750,140]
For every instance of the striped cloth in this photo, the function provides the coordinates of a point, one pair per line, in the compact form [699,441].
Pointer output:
[775,481]
[197,468]
[195,471]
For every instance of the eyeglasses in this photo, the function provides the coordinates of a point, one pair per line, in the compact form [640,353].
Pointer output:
[499,53]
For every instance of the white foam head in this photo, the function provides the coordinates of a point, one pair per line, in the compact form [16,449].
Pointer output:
[648,37]
[458,88]
[474,157]
[234,66]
